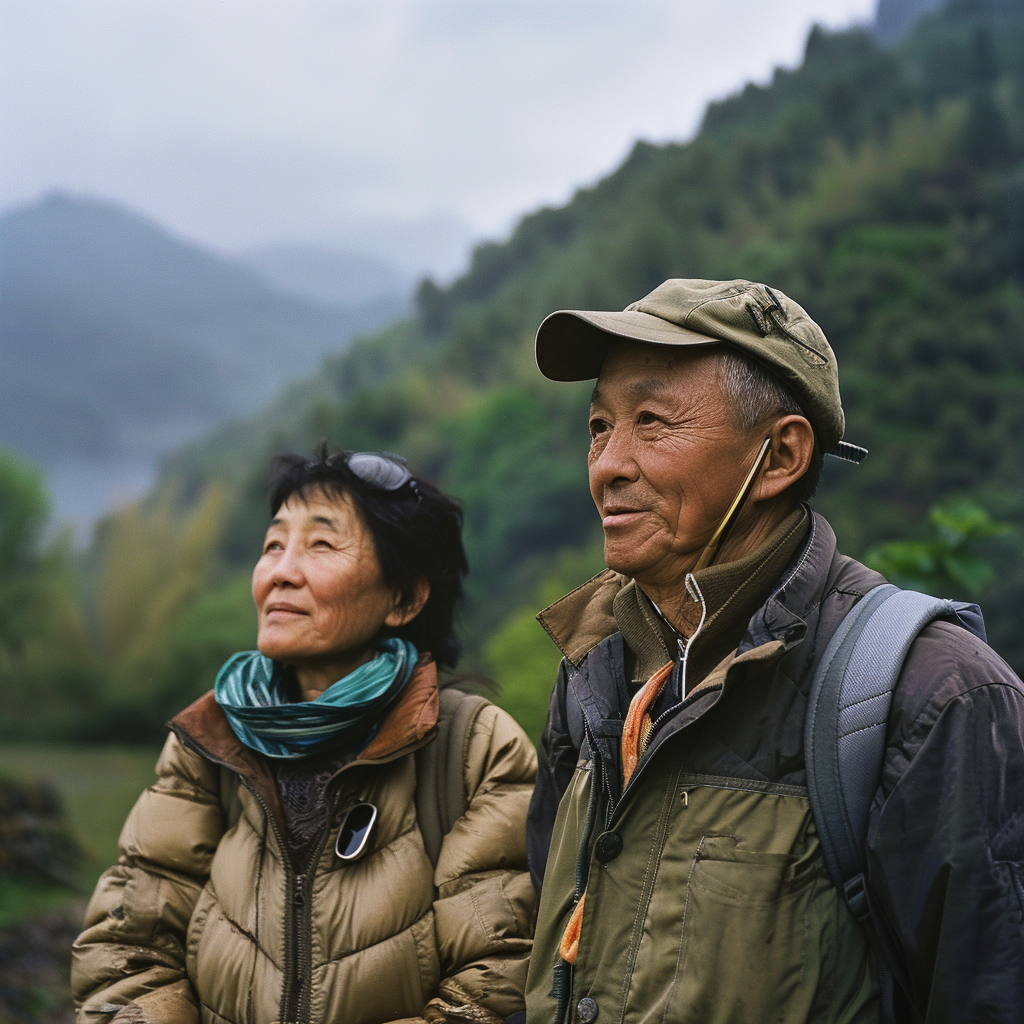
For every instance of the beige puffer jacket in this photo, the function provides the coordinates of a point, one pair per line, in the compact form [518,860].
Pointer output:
[204,919]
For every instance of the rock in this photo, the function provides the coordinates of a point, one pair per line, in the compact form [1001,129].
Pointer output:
[35,837]
[35,967]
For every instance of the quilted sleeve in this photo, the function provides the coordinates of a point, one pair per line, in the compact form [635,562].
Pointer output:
[486,907]
[128,964]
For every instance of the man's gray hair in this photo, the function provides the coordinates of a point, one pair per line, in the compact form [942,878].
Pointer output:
[756,396]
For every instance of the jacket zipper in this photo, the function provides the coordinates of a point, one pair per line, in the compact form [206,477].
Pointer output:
[298,988]
[684,649]
[295,966]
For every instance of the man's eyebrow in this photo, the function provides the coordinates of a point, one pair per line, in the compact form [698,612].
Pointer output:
[645,387]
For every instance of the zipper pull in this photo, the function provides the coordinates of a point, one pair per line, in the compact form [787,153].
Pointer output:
[300,896]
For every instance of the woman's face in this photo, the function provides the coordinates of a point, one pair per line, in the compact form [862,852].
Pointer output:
[320,598]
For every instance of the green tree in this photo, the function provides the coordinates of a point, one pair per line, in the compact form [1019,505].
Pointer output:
[521,656]
[946,563]
[166,614]
[47,672]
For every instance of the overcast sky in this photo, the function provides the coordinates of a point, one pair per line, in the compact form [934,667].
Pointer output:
[237,122]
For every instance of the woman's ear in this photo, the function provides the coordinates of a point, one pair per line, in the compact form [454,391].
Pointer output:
[789,457]
[406,611]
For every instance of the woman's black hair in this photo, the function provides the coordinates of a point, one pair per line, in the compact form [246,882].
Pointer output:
[417,533]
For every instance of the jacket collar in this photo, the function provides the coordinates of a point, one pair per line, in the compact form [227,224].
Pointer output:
[798,593]
[580,621]
[599,680]
[204,728]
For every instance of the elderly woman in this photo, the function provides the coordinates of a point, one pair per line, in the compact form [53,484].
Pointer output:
[292,862]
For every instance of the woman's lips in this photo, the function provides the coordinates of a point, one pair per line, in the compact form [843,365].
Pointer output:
[282,611]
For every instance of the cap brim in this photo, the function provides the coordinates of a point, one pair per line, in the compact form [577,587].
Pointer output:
[572,343]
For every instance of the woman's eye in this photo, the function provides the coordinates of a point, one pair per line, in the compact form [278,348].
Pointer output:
[272,545]
[645,419]
[597,427]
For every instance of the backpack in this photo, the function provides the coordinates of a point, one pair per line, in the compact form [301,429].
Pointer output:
[844,743]
[440,768]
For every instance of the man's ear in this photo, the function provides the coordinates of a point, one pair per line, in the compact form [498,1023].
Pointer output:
[789,457]
[407,611]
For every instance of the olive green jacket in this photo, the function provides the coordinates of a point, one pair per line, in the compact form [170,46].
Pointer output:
[707,899]
[203,918]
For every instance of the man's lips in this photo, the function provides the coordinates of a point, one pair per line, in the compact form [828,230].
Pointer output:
[620,515]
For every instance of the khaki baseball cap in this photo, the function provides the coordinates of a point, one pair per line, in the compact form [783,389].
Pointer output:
[758,320]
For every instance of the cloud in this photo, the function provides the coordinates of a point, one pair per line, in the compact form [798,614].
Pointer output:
[239,121]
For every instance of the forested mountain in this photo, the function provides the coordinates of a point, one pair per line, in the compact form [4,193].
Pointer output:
[894,18]
[119,341]
[873,185]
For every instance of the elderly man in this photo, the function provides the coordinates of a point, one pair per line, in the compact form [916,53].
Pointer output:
[683,878]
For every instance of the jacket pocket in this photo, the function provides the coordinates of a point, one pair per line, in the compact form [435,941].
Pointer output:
[742,953]
[1016,870]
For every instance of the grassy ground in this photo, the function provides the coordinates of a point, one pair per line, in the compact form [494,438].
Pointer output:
[98,786]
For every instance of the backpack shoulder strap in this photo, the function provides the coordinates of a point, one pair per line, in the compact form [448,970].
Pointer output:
[440,768]
[845,729]
[845,726]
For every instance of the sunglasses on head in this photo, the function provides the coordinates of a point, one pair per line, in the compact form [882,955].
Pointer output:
[383,470]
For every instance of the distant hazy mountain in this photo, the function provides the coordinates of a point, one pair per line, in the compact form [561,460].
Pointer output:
[328,275]
[118,342]
[435,244]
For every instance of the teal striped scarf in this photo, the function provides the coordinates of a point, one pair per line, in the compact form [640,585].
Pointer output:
[252,691]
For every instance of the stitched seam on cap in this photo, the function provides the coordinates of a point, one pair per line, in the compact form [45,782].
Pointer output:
[717,298]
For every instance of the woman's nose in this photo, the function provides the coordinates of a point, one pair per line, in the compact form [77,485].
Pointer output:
[287,570]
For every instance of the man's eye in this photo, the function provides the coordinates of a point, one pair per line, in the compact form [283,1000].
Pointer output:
[271,545]
[597,427]
[645,419]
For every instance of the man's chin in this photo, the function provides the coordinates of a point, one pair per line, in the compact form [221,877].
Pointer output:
[622,558]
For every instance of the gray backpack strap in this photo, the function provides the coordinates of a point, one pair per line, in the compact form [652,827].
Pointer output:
[440,768]
[845,729]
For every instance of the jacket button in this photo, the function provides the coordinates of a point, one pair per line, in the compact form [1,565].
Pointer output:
[587,1008]
[609,846]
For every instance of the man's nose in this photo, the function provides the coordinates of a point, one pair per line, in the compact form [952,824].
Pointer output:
[616,461]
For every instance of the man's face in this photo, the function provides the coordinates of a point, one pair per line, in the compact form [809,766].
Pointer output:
[666,459]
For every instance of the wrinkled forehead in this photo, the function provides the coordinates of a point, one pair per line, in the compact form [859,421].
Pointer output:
[633,371]
[317,502]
